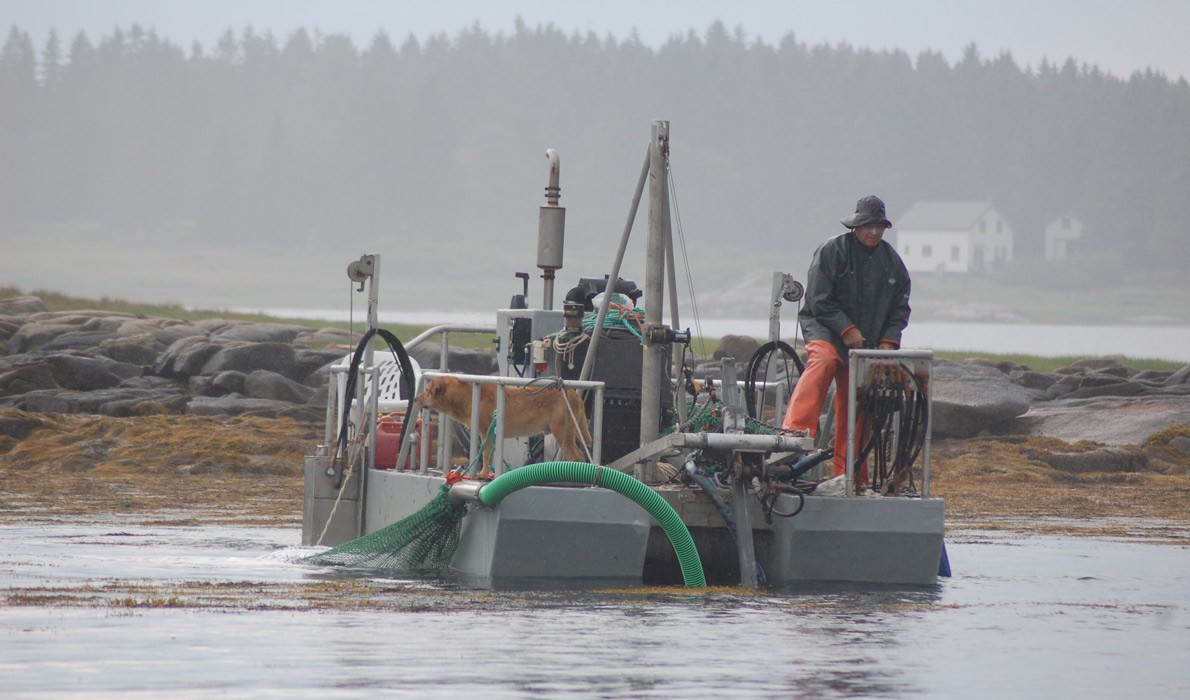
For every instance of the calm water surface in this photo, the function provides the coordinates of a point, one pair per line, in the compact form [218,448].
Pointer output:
[1023,617]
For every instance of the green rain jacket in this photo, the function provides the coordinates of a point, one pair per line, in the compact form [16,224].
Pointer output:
[850,285]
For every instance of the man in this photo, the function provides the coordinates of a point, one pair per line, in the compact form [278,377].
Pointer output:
[857,296]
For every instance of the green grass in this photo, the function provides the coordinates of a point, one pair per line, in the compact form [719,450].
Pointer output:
[61,302]
[1049,364]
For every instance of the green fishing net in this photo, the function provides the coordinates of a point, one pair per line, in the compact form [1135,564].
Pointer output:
[422,542]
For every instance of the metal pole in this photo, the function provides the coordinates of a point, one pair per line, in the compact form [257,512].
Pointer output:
[473,448]
[614,277]
[775,306]
[653,364]
[852,373]
[369,416]
[497,464]
[733,423]
[676,358]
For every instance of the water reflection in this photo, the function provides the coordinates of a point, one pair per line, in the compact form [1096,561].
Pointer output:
[112,609]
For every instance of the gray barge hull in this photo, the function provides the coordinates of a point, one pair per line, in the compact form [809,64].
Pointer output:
[585,533]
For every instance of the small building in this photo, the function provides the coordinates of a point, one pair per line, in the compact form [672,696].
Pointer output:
[953,236]
[1060,237]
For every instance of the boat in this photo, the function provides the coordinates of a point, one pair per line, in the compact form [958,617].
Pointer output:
[698,465]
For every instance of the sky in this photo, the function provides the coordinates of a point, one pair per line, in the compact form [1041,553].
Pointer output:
[1117,36]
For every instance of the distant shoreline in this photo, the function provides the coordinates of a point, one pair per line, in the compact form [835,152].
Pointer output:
[1160,342]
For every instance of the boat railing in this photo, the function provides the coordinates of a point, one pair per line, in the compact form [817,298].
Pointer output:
[387,371]
[444,331]
[445,424]
[894,372]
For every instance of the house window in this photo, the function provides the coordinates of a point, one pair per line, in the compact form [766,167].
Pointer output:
[954,253]
[906,249]
[927,251]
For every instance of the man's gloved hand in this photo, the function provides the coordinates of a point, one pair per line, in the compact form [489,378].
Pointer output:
[852,338]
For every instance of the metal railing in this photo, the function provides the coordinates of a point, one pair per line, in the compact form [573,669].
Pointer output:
[445,424]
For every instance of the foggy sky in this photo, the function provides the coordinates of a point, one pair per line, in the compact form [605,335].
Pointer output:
[1119,37]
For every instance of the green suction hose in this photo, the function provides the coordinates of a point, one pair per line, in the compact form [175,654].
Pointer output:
[579,472]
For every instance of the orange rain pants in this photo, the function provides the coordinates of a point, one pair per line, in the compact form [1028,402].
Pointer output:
[823,366]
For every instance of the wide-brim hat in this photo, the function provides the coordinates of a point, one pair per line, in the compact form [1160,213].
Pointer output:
[868,210]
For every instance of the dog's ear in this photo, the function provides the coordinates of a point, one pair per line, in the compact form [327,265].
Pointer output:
[437,388]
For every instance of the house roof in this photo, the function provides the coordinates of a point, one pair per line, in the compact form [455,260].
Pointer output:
[942,215]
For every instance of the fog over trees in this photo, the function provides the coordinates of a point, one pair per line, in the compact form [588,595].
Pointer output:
[311,143]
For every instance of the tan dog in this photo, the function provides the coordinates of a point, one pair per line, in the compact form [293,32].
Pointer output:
[528,411]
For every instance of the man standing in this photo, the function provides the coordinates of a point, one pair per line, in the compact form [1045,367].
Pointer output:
[857,296]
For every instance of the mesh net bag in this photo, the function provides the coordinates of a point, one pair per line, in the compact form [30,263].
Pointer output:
[422,542]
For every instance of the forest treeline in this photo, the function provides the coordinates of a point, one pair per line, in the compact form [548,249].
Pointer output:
[311,138]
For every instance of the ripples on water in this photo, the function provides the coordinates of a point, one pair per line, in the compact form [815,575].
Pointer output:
[105,610]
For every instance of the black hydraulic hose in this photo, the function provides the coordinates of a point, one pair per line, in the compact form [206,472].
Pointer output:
[407,385]
[881,404]
[795,471]
[760,357]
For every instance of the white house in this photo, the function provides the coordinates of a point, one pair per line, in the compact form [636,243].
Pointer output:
[953,236]
[1059,236]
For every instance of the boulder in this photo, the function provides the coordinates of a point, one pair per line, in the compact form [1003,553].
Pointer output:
[25,378]
[33,335]
[1106,420]
[247,358]
[20,306]
[165,331]
[149,382]
[1182,376]
[77,341]
[41,401]
[970,399]
[81,373]
[1091,364]
[332,336]
[186,357]
[261,332]
[95,401]
[229,382]
[1155,376]
[1033,380]
[307,362]
[7,330]
[1119,388]
[136,348]
[464,360]
[125,408]
[1065,384]
[262,384]
[238,405]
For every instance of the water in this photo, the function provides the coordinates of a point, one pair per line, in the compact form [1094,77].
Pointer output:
[1025,616]
[1169,342]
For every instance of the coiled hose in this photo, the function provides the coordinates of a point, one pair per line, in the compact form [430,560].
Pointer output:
[623,484]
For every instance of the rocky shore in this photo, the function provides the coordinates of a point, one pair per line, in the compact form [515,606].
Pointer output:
[176,385]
